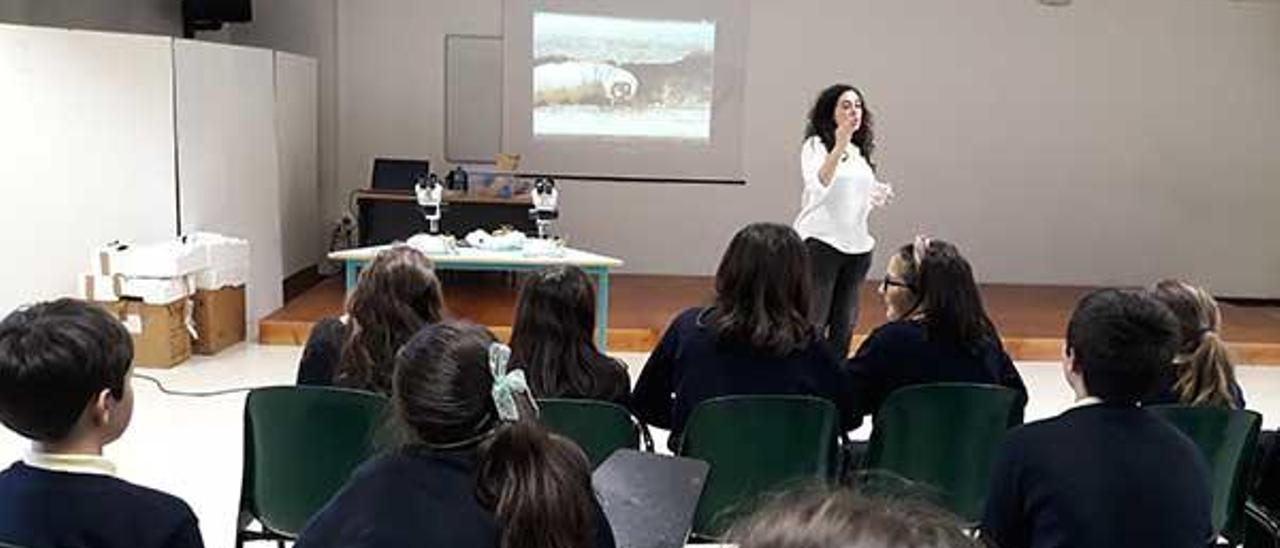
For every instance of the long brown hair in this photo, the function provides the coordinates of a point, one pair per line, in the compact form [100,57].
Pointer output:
[762,291]
[947,295]
[553,338]
[1204,369]
[396,295]
[537,484]
[822,518]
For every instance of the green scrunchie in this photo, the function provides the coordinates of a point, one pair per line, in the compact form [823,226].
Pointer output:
[506,384]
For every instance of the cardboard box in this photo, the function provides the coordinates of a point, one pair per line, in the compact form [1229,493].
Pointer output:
[160,335]
[219,318]
[101,289]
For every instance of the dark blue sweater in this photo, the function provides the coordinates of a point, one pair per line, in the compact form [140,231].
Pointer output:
[1099,476]
[44,509]
[900,353]
[412,498]
[689,367]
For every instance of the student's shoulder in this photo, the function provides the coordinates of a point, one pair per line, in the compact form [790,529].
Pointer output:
[1041,434]
[161,506]
[330,327]
[896,334]
[689,319]
[900,330]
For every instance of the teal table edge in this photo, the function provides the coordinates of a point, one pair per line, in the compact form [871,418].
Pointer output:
[601,274]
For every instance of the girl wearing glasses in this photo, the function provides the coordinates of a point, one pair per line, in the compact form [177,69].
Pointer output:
[938,330]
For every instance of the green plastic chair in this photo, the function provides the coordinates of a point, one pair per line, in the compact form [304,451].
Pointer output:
[301,443]
[944,436]
[1228,439]
[598,427]
[756,445]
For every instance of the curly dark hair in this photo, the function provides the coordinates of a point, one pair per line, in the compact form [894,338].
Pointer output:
[823,125]
[398,294]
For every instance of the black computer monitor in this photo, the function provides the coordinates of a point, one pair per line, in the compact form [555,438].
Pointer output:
[395,174]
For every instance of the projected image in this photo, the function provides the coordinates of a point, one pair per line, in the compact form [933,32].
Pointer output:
[608,76]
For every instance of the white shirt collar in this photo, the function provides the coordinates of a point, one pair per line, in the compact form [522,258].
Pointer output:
[1085,402]
[75,464]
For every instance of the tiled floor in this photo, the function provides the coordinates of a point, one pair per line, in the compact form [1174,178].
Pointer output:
[190,446]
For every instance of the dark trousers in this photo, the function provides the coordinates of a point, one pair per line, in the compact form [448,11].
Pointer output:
[836,279]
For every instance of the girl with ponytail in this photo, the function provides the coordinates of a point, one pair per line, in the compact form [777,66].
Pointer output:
[1202,373]
[477,469]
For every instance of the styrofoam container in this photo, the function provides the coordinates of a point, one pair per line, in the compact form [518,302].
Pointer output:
[221,252]
[218,278]
[163,260]
[95,287]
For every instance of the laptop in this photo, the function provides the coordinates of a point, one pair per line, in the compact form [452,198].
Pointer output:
[649,499]
[398,175]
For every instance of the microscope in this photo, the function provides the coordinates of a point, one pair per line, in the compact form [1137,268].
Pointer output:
[545,204]
[430,199]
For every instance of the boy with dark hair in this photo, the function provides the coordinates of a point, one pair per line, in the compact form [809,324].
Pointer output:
[64,368]
[1105,473]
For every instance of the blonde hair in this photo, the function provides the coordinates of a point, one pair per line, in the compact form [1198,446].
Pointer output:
[1204,368]
[841,518]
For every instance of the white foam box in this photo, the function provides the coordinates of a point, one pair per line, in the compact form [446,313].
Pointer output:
[163,260]
[95,287]
[221,252]
[213,279]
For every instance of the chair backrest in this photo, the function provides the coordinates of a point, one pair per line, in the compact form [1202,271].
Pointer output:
[1227,438]
[945,436]
[755,445]
[301,445]
[598,427]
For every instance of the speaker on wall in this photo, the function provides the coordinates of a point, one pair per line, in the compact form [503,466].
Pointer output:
[211,14]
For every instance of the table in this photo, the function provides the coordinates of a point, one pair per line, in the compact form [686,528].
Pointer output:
[472,259]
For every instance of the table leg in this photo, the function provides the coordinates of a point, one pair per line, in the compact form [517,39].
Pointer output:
[353,275]
[602,309]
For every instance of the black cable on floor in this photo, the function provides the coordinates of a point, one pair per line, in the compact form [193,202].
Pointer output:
[189,394]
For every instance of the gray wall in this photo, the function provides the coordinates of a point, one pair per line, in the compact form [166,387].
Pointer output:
[139,16]
[1101,143]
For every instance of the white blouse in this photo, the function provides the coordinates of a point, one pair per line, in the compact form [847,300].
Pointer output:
[837,213]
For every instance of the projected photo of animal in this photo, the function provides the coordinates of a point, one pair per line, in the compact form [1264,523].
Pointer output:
[609,76]
[582,83]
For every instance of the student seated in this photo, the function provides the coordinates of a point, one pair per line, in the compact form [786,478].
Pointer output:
[844,519]
[1202,372]
[64,384]
[1105,473]
[396,295]
[938,330]
[478,471]
[553,340]
[755,339]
